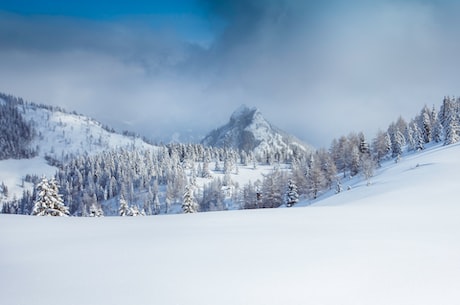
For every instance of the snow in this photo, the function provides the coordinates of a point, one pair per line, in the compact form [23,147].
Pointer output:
[59,134]
[395,242]
[64,133]
[13,171]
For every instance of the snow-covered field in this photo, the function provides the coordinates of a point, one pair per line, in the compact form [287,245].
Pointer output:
[395,242]
[12,173]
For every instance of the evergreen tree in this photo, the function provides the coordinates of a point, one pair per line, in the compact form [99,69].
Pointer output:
[48,201]
[451,124]
[437,127]
[95,210]
[292,197]
[134,211]
[426,127]
[156,205]
[381,146]
[189,204]
[124,208]
[338,187]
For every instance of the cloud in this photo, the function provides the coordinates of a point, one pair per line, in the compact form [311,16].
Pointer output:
[317,70]
[326,69]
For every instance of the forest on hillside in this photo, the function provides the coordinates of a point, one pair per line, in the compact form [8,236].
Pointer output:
[153,181]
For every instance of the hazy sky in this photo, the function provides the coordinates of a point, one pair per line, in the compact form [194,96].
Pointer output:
[317,69]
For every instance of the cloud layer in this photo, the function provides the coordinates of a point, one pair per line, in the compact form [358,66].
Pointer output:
[315,70]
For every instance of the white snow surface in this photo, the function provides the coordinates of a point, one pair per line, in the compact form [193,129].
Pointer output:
[394,242]
[62,133]
[13,171]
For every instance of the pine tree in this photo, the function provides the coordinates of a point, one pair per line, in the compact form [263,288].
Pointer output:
[49,202]
[292,197]
[124,208]
[437,127]
[156,205]
[426,125]
[338,187]
[134,211]
[189,204]
[95,210]
[451,124]
[381,146]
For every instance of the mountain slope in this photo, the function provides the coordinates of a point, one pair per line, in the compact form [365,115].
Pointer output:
[53,135]
[248,130]
[394,242]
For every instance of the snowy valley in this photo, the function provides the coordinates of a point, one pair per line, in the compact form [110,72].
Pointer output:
[395,241]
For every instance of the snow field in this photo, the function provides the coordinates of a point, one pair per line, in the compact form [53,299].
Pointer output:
[13,171]
[395,242]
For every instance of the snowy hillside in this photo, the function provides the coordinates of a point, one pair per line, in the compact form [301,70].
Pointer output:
[395,242]
[248,130]
[61,134]
[57,136]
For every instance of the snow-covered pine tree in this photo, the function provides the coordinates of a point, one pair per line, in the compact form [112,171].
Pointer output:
[49,202]
[95,210]
[397,145]
[338,187]
[426,128]
[381,146]
[292,196]
[134,211]
[189,204]
[124,208]
[156,205]
[437,127]
[451,124]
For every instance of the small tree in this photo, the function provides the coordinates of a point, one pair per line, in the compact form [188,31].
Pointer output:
[338,187]
[95,210]
[368,166]
[189,204]
[49,202]
[292,196]
[124,208]
[134,211]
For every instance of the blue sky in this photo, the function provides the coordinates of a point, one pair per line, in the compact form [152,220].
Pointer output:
[179,68]
[101,9]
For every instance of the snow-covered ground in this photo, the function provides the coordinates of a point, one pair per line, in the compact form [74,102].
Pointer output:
[395,242]
[62,133]
[12,173]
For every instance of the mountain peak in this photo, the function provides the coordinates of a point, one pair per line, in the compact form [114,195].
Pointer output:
[243,112]
[248,130]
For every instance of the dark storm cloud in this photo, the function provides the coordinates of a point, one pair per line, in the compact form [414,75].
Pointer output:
[317,69]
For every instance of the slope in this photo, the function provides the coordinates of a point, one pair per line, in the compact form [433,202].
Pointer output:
[394,242]
[58,136]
